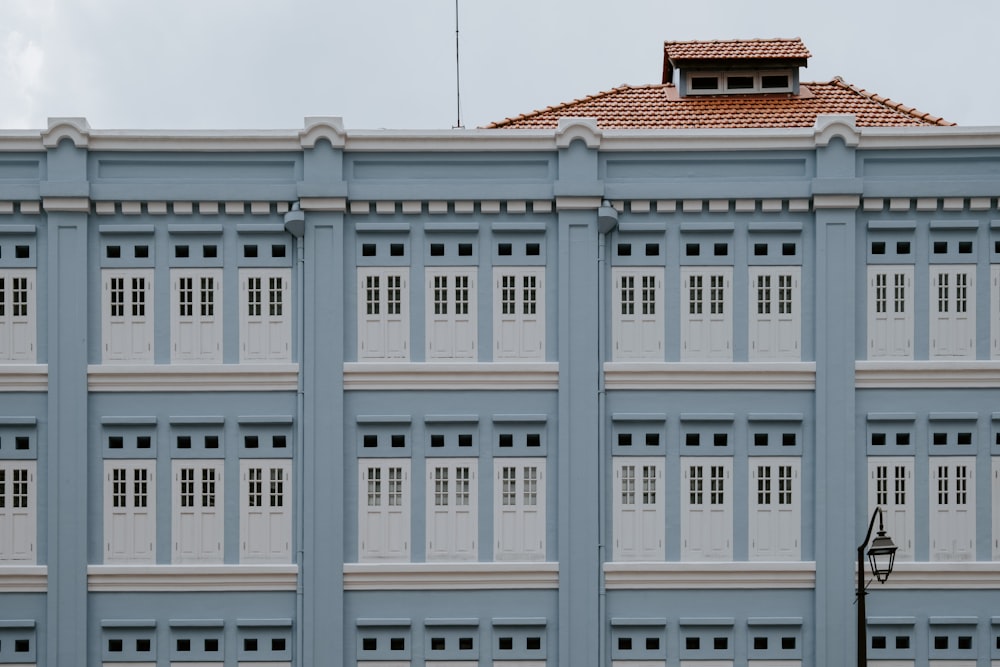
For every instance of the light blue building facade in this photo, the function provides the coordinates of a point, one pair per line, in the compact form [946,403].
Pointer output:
[497,397]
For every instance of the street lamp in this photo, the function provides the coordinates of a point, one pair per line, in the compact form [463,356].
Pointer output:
[881,555]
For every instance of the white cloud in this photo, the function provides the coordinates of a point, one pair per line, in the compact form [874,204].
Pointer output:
[22,78]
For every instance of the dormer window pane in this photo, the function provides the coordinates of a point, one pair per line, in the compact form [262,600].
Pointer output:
[771,81]
[739,82]
[704,82]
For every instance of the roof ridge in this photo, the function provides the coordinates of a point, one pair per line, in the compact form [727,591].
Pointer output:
[563,105]
[889,103]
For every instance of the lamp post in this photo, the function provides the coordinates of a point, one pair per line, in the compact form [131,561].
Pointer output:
[882,555]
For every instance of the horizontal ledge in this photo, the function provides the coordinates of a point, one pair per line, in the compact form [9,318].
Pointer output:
[197,622]
[423,376]
[710,376]
[128,623]
[116,578]
[24,377]
[209,377]
[24,579]
[450,576]
[926,374]
[728,575]
[978,575]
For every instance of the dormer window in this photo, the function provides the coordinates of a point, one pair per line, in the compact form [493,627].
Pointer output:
[739,82]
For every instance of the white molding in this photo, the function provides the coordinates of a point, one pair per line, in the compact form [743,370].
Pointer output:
[929,374]
[23,578]
[500,375]
[977,575]
[66,204]
[449,576]
[584,129]
[723,375]
[696,575]
[488,140]
[192,577]
[24,377]
[836,202]
[195,377]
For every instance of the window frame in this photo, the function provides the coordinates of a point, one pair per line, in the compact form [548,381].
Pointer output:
[264,335]
[136,330]
[400,518]
[211,521]
[775,335]
[273,521]
[646,328]
[457,529]
[698,328]
[383,335]
[127,527]
[450,334]
[18,330]
[183,326]
[512,545]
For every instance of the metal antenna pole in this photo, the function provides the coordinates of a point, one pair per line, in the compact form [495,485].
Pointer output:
[458,79]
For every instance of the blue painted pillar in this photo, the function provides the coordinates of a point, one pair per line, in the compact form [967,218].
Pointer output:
[65,199]
[321,358]
[578,195]
[836,198]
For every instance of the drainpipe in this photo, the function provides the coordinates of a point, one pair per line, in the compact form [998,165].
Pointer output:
[607,221]
[295,224]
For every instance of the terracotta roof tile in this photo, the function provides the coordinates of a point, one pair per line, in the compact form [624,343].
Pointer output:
[658,107]
[762,49]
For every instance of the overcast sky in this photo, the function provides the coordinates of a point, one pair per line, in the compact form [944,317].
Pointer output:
[159,64]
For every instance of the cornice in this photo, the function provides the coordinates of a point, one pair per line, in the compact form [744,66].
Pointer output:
[728,575]
[209,377]
[24,377]
[926,374]
[462,376]
[710,376]
[23,578]
[449,576]
[192,577]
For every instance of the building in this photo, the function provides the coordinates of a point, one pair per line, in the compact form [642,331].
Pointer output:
[619,381]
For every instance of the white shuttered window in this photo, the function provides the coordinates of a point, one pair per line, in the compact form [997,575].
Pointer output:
[451,313]
[127,315]
[706,508]
[384,510]
[198,503]
[18,318]
[383,313]
[519,509]
[953,312]
[638,502]
[953,508]
[890,486]
[196,315]
[890,312]
[452,508]
[129,511]
[775,321]
[637,313]
[265,315]
[519,313]
[18,513]
[706,313]
[775,508]
[266,510]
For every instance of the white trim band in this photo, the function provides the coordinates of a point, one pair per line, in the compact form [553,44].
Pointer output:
[423,376]
[696,375]
[109,578]
[746,575]
[208,377]
[24,377]
[449,576]
[926,374]
[24,578]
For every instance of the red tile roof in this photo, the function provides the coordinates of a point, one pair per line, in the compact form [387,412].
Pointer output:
[659,107]
[758,49]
